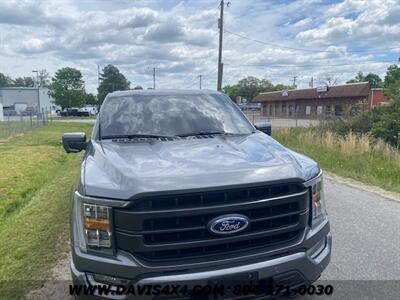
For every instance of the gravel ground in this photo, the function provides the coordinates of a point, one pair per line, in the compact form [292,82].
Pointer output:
[57,287]
[365,226]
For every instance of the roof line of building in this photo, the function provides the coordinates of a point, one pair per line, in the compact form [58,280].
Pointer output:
[313,88]
[21,88]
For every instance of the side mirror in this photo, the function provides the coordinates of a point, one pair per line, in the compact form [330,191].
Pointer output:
[74,142]
[264,127]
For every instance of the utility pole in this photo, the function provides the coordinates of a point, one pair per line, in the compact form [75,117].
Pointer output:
[221,33]
[311,82]
[98,75]
[38,93]
[200,76]
[294,82]
[154,78]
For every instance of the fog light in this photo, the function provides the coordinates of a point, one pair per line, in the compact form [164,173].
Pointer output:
[315,250]
[110,280]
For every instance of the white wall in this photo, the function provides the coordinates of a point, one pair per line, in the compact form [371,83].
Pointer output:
[1,113]
[28,96]
[46,102]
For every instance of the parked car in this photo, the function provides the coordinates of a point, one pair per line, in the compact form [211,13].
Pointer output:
[91,110]
[250,106]
[179,187]
[73,112]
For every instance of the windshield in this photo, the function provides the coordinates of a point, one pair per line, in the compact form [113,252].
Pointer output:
[171,115]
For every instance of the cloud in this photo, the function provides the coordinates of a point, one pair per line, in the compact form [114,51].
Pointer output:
[34,13]
[181,38]
[303,22]
[358,21]
[164,33]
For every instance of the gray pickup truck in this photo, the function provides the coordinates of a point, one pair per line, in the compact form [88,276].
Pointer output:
[179,188]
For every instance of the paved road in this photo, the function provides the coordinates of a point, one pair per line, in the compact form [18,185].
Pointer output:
[366,234]
[366,244]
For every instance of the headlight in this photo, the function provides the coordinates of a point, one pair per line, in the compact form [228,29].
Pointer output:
[92,222]
[96,222]
[318,208]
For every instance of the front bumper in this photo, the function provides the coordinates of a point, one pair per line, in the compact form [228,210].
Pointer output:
[304,264]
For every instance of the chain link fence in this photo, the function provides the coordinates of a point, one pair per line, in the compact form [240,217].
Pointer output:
[13,125]
[278,122]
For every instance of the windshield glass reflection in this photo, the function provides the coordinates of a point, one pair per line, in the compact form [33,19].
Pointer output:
[171,115]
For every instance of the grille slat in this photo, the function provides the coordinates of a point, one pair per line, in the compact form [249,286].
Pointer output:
[199,199]
[174,227]
[171,240]
[211,251]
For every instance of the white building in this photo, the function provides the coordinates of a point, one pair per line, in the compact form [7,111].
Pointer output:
[20,100]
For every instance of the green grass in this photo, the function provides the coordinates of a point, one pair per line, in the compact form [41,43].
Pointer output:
[368,162]
[35,181]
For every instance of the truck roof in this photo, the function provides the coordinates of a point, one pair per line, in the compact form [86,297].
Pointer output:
[163,92]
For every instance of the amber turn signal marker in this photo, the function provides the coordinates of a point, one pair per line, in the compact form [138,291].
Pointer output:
[101,224]
[316,197]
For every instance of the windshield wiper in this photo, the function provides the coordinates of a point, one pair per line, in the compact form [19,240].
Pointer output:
[202,133]
[134,136]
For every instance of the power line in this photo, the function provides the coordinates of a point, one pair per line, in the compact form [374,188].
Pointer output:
[379,50]
[307,65]
[192,80]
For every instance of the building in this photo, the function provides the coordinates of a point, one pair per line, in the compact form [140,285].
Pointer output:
[376,97]
[321,102]
[24,100]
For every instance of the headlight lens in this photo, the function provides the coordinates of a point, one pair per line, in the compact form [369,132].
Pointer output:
[96,221]
[92,222]
[318,208]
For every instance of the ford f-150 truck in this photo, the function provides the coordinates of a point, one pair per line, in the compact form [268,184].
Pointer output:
[178,187]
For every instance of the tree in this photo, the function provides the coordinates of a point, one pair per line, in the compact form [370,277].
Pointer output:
[111,80]
[250,87]
[392,75]
[373,79]
[5,80]
[330,81]
[281,87]
[43,77]
[383,121]
[232,91]
[90,99]
[23,82]
[393,91]
[67,88]
[358,78]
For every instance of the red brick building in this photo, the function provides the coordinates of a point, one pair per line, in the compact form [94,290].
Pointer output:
[376,97]
[322,102]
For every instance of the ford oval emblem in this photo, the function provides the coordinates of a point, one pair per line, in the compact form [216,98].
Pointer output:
[228,224]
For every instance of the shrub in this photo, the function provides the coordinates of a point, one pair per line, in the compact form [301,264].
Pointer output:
[382,122]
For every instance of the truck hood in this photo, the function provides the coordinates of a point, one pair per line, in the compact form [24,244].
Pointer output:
[122,170]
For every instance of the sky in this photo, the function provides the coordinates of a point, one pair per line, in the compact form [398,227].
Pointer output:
[269,39]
